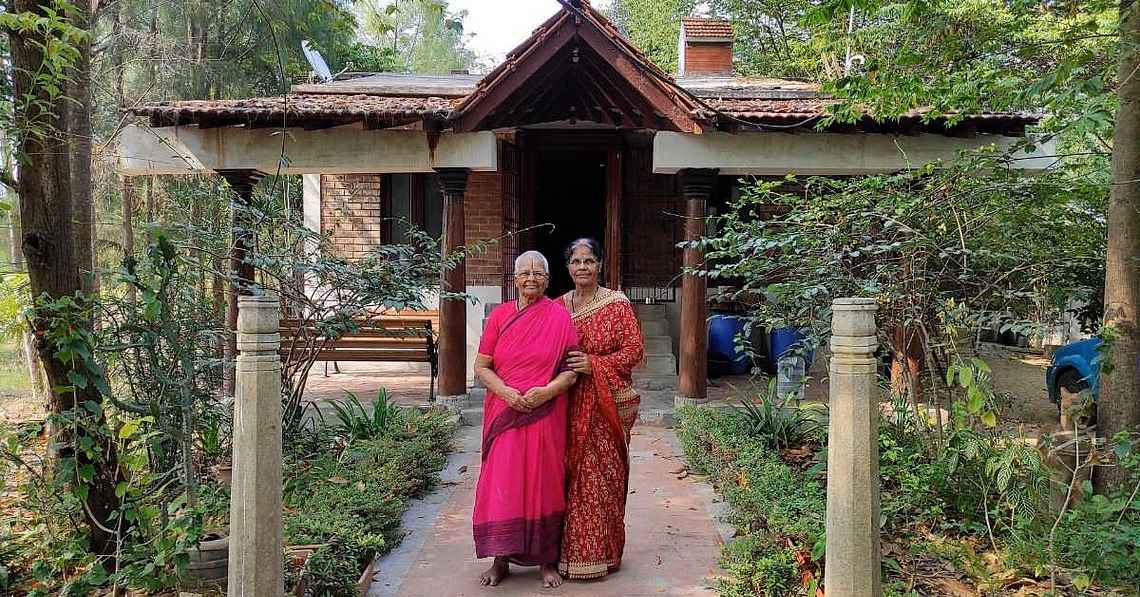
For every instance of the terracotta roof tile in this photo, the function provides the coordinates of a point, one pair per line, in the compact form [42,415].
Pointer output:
[384,111]
[704,27]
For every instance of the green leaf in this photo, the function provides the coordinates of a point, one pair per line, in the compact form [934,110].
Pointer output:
[966,377]
[1081,582]
[129,428]
[77,379]
[989,418]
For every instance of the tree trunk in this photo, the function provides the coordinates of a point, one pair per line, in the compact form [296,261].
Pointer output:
[1118,407]
[47,211]
[27,340]
[128,199]
[79,115]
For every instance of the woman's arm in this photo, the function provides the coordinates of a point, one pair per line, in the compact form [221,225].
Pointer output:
[628,354]
[495,385]
[536,397]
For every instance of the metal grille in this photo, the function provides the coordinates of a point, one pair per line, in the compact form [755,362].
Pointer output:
[511,192]
[652,227]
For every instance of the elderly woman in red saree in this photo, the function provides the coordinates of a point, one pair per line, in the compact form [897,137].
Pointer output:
[603,408]
[520,498]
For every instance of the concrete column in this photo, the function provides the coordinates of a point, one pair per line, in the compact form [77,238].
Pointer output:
[453,313]
[853,453]
[697,187]
[256,542]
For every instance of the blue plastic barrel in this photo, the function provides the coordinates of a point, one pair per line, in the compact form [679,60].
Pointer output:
[783,339]
[723,355]
[790,365]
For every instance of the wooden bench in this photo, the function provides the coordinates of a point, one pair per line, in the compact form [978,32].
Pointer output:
[390,337]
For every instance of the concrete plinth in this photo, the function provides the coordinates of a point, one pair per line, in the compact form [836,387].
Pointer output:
[256,542]
[853,454]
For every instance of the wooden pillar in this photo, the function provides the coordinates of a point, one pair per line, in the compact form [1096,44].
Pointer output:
[241,271]
[611,269]
[696,186]
[453,312]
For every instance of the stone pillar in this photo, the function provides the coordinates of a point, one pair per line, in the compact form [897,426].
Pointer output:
[853,453]
[256,542]
[453,313]
[696,186]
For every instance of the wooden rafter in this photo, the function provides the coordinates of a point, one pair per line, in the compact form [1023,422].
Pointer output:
[576,66]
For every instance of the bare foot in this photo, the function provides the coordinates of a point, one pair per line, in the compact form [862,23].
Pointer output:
[550,577]
[497,572]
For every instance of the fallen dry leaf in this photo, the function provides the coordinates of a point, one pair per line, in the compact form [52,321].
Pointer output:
[955,587]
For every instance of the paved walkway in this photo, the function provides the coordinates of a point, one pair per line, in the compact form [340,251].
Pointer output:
[673,539]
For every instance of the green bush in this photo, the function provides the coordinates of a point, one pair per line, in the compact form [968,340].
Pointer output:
[352,501]
[771,502]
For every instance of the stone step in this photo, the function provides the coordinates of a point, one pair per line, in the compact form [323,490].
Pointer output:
[658,345]
[654,327]
[655,311]
[657,383]
[659,364]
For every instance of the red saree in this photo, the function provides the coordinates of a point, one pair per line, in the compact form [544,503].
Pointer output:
[603,408]
[520,497]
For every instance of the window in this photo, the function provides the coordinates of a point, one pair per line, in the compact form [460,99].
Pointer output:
[414,199]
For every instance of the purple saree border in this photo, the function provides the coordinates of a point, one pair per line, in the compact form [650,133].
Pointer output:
[527,542]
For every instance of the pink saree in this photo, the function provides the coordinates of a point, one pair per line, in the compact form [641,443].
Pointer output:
[520,498]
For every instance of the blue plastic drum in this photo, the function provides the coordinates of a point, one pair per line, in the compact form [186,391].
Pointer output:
[724,358]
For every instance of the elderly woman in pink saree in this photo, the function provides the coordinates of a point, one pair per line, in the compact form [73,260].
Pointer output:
[520,499]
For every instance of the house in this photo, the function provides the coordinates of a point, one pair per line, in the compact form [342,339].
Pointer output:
[576,128]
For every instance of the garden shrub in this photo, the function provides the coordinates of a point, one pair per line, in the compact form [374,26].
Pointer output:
[351,500]
[772,503]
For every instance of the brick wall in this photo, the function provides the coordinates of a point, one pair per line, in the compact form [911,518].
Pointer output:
[483,219]
[705,58]
[352,212]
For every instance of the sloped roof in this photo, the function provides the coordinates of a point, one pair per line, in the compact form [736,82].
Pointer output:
[575,66]
[706,28]
[300,110]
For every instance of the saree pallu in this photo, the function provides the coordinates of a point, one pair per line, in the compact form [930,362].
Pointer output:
[520,497]
[603,408]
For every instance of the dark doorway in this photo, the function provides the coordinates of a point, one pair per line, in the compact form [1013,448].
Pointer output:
[570,194]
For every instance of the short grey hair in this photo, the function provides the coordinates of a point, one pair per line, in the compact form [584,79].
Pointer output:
[532,255]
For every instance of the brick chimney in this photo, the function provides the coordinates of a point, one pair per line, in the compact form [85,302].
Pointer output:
[705,48]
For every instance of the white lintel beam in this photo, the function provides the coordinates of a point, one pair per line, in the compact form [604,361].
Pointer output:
[821,154]
[345,150]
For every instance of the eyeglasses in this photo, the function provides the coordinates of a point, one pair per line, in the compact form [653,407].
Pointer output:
[535,275]
[588,262]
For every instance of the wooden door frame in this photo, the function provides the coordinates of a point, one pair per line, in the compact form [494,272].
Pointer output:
[610,142]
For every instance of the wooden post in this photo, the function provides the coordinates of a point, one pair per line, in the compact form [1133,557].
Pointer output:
[453,313]
[611,269]
[256,541]
[697,186]
[242,244]
[853,453]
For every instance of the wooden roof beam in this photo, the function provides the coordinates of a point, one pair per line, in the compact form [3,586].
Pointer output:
[515,78]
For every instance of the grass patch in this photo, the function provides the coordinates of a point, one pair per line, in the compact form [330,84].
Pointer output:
[13,371]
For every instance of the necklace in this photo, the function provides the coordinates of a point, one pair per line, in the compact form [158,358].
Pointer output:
[574,299]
